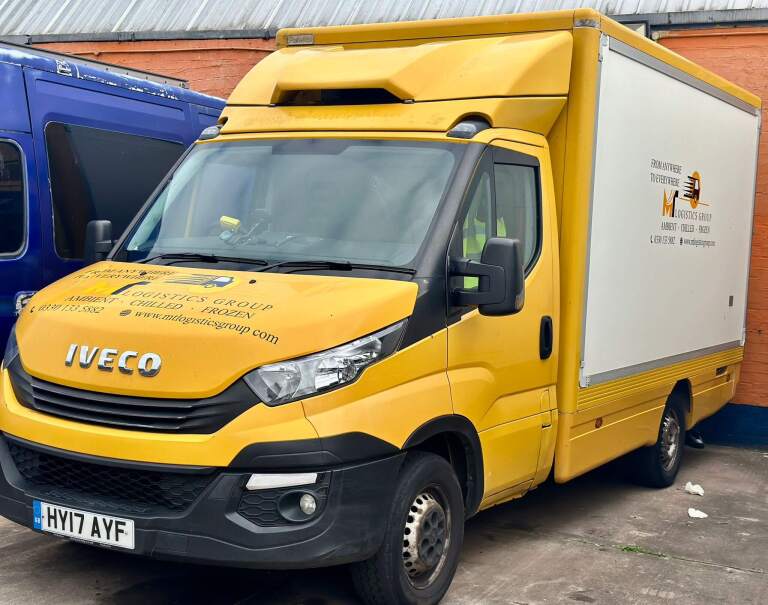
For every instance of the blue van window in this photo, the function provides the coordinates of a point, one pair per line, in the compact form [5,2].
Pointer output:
[100,174]
[12,213]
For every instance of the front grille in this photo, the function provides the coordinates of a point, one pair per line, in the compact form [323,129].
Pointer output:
[133,413]
[107,488]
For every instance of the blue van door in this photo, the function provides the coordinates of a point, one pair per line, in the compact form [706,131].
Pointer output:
[100,150]
[20,273]
[19,211]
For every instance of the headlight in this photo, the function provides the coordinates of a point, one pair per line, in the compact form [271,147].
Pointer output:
[290,380]
[11,348]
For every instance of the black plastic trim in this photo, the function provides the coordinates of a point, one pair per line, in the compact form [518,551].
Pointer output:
[453,249]
[502,155]
[313,453]
[430,310]
[493,283]
[350,527]
[310,453]
[20,251]
[457,425]
[325,97]
[151,414]
[430,313]
[546,337]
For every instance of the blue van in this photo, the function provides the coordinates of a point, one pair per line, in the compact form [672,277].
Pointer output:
[79,141]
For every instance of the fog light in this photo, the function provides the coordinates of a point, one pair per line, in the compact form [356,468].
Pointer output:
[308,504]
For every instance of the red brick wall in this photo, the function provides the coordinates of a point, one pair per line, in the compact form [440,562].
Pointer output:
[211,66]
[738,54]
[741,56]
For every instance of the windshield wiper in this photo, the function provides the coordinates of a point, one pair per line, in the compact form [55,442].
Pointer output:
[299,265]
[204,258]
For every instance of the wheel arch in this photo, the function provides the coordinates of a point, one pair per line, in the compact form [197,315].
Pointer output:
[682,395]
[455,438]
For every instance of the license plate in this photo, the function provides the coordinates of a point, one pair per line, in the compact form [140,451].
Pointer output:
[82,525]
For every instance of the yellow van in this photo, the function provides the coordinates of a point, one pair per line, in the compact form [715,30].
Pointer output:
[416,270]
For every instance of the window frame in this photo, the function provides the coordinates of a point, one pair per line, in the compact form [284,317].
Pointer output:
[21,250]
[185,149]
[491,157]
[517,158]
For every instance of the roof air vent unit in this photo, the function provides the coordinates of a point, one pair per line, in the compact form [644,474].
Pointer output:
[338,96]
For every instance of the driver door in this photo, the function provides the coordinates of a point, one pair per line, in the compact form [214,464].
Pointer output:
[502,370]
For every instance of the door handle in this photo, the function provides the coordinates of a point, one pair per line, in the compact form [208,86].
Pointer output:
[546,337]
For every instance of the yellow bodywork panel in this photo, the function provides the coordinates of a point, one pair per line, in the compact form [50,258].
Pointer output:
[243,320]
[415,32]
[535,114]
[574,215]
[390,400]
[711,388]
[381,34]
[394,397]
[533,65]
[619,416]
[259,424]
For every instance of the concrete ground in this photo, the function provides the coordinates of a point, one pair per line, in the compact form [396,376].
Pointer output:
[597,539]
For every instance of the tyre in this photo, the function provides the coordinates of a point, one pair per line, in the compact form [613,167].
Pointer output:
[425,531]
[657,465]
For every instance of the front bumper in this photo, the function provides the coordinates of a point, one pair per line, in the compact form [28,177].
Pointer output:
[200,515]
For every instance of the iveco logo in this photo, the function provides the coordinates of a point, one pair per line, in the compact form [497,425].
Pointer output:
[147,364]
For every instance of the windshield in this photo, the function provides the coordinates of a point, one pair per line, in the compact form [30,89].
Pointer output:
[358,201]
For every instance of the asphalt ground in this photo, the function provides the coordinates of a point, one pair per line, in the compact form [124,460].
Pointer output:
[598,539]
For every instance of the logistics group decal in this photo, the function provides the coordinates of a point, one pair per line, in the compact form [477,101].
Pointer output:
[146,295]
[686,219]
[198,282]
[202,280]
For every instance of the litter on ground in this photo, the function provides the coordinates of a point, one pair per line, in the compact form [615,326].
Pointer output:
[694,488]
[695,513]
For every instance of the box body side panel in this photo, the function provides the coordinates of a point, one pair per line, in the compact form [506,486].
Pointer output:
[670,221]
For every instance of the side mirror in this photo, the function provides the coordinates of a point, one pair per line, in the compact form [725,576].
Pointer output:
[98,241]
[501,278]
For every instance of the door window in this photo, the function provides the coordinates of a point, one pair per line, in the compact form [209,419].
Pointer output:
[99,174]
[517,207]
[476,228]
[12,200]
[504,201]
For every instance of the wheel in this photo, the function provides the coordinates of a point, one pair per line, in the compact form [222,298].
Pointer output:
[425,530]
[657,465]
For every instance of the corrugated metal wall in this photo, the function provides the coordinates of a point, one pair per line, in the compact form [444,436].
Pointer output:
[62,17]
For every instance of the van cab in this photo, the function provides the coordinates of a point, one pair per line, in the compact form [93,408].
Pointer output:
[79,141]
[416,270]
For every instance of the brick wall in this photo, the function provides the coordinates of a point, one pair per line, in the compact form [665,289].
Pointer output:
[211,66]
[738,54]
[741,56]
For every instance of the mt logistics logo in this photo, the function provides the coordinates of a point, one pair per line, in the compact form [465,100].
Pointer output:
[691,195]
